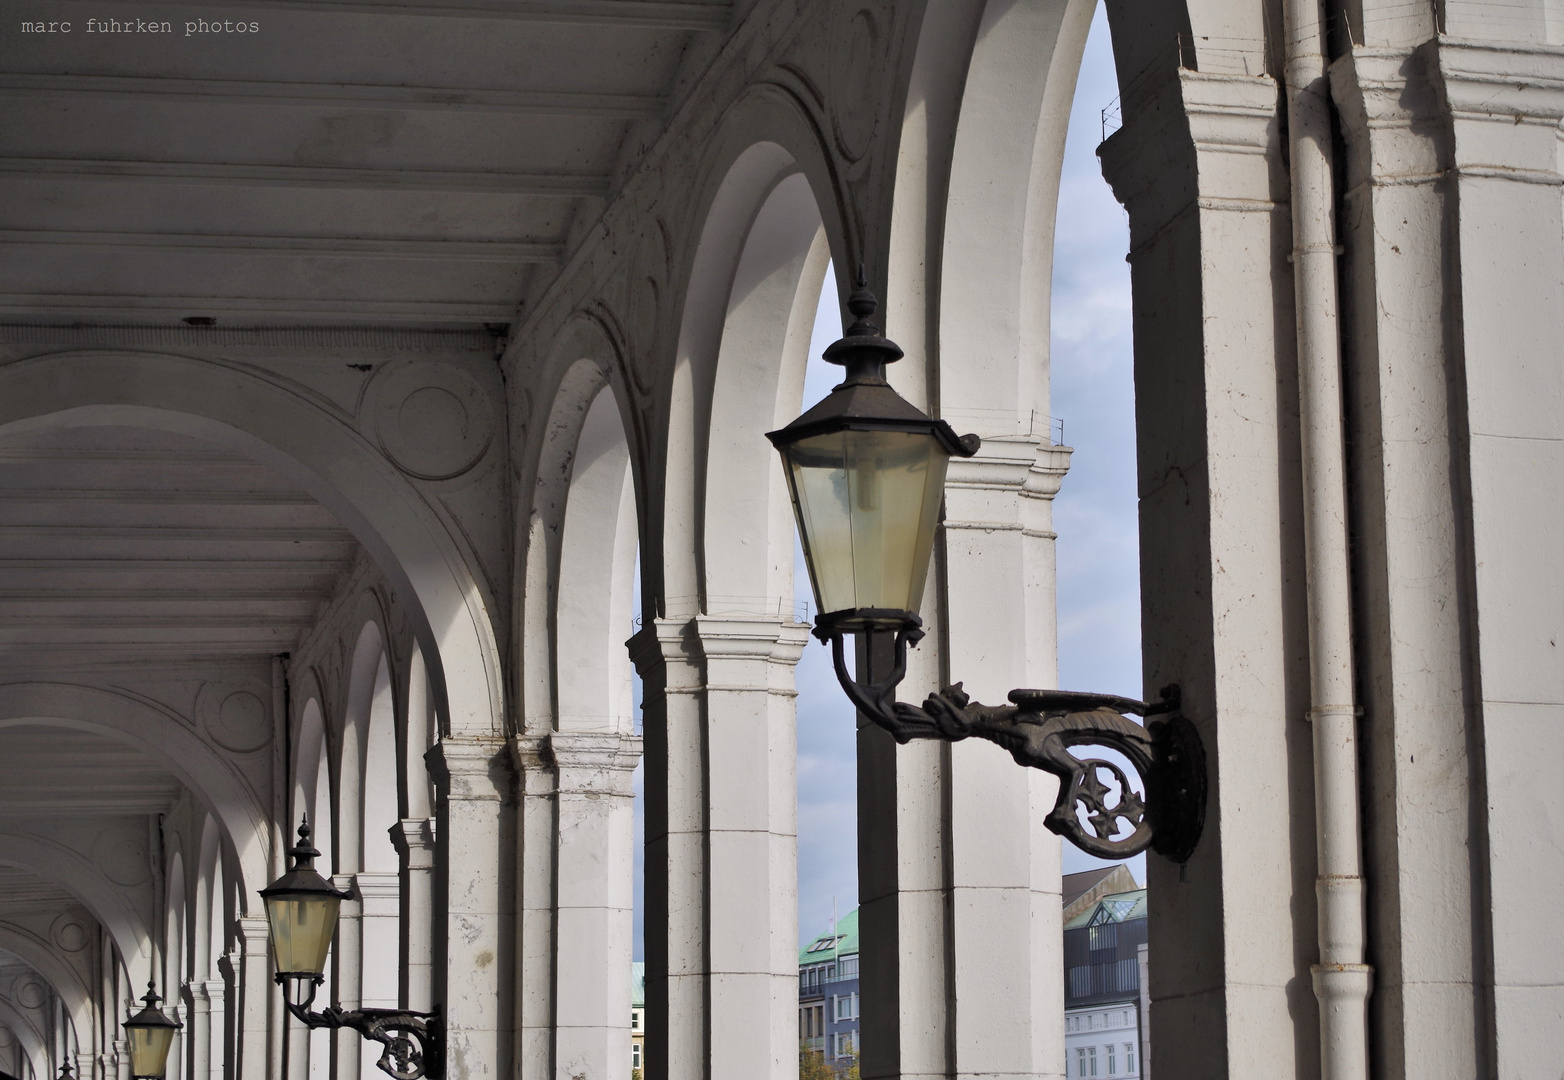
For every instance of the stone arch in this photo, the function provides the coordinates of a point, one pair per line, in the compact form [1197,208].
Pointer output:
[757,386]
[586,356]
[168,739]
[381,789]
[208,915]
[256,414]
[311,768]
[42,957]
[108,902]
[416,736]
[765,137]
[34,1048]
[596,569]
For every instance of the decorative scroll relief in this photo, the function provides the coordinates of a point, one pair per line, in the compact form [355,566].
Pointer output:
[434,420]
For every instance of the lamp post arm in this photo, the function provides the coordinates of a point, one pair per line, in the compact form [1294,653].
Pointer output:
[414,1041]
[1038,728]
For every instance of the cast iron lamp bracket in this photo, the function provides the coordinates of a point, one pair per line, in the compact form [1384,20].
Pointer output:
[414,1042]
[865,494]
[1038,727]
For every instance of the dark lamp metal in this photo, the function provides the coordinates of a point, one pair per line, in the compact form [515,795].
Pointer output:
[302,908]
[151,1036]
[866,471]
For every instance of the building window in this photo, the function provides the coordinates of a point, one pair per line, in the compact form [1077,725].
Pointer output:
[1112,1068]
[1091,1058]
[635,1055]
[844,1043]
[635,1019]
[1080,1062]
[847,967]
[1129,1057]
[846,1006]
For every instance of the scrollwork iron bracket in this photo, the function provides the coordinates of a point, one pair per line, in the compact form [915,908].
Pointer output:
[413,1042]
[1038,728]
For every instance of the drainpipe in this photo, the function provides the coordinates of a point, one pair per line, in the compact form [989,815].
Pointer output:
[1341,979]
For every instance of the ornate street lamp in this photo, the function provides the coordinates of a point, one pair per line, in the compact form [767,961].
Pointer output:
[151,1036]
[302,907]
[866,471]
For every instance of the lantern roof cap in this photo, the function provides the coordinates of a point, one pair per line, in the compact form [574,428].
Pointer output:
[864,400]
[302,876]
[151,1016]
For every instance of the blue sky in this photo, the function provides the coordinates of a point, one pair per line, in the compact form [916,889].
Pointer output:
[1094,513]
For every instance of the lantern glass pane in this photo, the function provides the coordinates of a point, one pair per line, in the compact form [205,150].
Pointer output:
[302,925]
[867,503]
[149,1048]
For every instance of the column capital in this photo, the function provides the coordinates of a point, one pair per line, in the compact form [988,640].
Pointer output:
[379,893]
[595,763]
[254,935]
[200,995]
[1197,140]
[415,841]
[751,637]
[471,767]
[658,642]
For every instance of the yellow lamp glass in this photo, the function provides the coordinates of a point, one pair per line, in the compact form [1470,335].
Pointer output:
[867,504]
[151,1035]
[149,1047]
[302,924]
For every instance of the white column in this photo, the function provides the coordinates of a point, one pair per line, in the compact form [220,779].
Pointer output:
[215,991]
[346,983]
[536,843]
[255,999]
[1223,611]
[415,843]
[380,908]
[1506,99]
[200,1034]
[722,845]
[594,903]
[1424,1015]
[752,833]
[668,658]
[475,779]
[1005,924]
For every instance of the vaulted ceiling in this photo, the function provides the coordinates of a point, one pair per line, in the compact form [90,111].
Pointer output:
[337,161]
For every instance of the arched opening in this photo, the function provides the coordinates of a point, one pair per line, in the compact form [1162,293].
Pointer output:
[378,883]
[578,813]
[722,834]
[175,960]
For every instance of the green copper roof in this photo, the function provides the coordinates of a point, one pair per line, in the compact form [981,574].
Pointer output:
[638,984]
[829,945]
[1115,907]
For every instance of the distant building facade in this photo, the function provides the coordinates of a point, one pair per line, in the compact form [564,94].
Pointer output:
[828,1001]
[637,1015]
[1105,985]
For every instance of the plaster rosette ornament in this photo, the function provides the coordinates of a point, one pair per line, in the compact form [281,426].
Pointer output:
[866,472]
